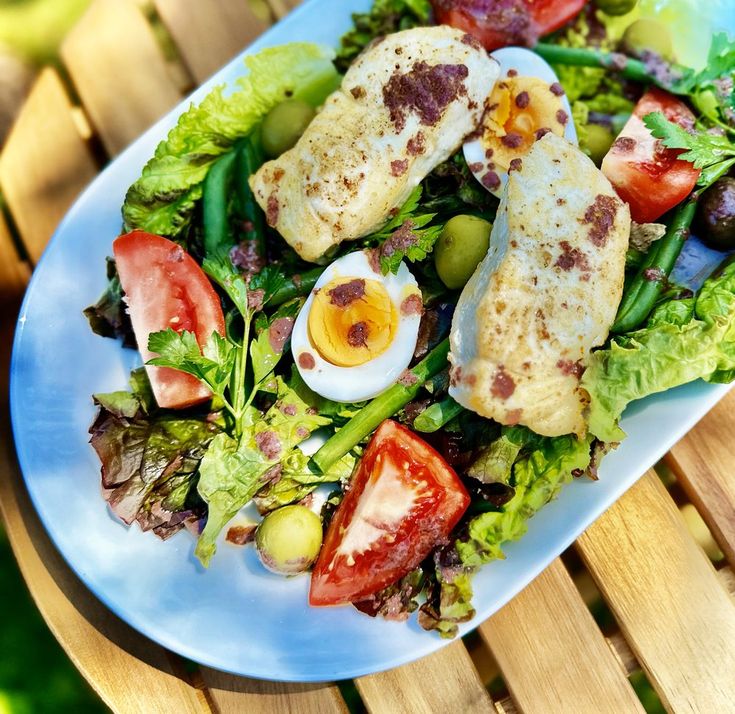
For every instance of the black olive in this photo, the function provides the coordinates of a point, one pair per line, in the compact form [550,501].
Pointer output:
[715,219]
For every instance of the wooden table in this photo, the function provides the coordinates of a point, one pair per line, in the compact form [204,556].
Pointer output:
[125,64]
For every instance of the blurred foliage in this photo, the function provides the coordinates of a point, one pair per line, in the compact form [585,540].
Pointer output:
[33,29]
[35,675]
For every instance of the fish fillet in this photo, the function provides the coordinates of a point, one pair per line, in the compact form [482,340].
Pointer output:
[545,294]
[404,106]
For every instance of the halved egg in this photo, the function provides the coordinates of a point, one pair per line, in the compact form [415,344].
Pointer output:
[357,330]
[527,102]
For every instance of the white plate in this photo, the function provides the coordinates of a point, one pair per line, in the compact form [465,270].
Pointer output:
[236,616]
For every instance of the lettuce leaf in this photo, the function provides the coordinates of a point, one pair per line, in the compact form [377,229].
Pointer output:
[545,465]
[233,471]
[684,340]
[149,459]
[162,200]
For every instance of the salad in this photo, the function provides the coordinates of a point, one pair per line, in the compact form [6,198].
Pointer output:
[398,294]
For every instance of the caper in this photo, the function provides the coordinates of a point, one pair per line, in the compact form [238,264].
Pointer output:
[648,35]
[460,248]
[616,7]
[715,218]
[288,539]
[599,139]
[284,125]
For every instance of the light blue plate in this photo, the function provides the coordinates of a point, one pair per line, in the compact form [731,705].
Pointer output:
[235,616]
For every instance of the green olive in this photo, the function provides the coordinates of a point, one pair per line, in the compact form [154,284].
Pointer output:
[599,140]
[284,125]
[616,7]
[288,539]
[461,246]
[649,35]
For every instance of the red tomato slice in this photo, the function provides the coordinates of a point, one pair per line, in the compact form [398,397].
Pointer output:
[500,23]
[165,287]
[646,174]
[404,499]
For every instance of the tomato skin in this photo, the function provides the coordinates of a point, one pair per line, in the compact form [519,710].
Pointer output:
[644,173]
[500,23]
[164,287]
[404,499]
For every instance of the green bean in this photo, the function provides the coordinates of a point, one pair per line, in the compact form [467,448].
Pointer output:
[437,415]
[587,57]
[297,286]
[641,295]
[382,407]
[215,204]
[248,161]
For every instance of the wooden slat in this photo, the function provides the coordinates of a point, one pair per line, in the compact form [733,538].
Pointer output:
[119,71]
[44,164]
[667,598]
[703,464]
[445,681]
[232,695]
[552,654]
[208,34]
[281,8]
[14,274]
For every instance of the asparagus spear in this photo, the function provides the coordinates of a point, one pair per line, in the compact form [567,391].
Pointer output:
[382,407]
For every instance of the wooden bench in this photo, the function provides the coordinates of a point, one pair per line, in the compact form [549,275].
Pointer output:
[544,652]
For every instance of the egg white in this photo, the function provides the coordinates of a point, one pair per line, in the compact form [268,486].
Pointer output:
[527,64]
[354,384]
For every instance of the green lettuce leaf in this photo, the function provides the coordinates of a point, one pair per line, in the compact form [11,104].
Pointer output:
[538,475]
[297,480]
[233,471]
[682,342]
[448,593]
[162,200]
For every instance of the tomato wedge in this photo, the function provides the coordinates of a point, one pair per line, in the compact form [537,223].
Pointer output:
[164,287]
[645,174]
[404,499]
[500,23]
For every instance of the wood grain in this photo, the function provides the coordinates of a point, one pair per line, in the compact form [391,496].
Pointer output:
[14,274]
[666,597]
[445,681]
[703,464]
[232,695]
[281,8]
[209,34]
[119,71]
[45,163]
[552,654]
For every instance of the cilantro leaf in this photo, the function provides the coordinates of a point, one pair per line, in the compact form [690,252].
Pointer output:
[270,280]
[219,267]
[411,241]
[273,336]
[714,154]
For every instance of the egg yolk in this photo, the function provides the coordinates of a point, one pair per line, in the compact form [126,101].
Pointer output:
[521,110]
[352,321]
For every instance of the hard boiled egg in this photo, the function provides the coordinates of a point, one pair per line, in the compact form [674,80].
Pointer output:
[357,330]
[527,102]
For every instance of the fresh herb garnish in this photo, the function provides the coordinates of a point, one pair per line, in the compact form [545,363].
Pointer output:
[713,153]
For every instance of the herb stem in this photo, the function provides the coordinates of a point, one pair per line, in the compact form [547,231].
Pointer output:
[644,290]
[382,407]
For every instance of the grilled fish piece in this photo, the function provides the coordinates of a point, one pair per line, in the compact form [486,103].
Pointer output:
[405,105]
[545,294]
